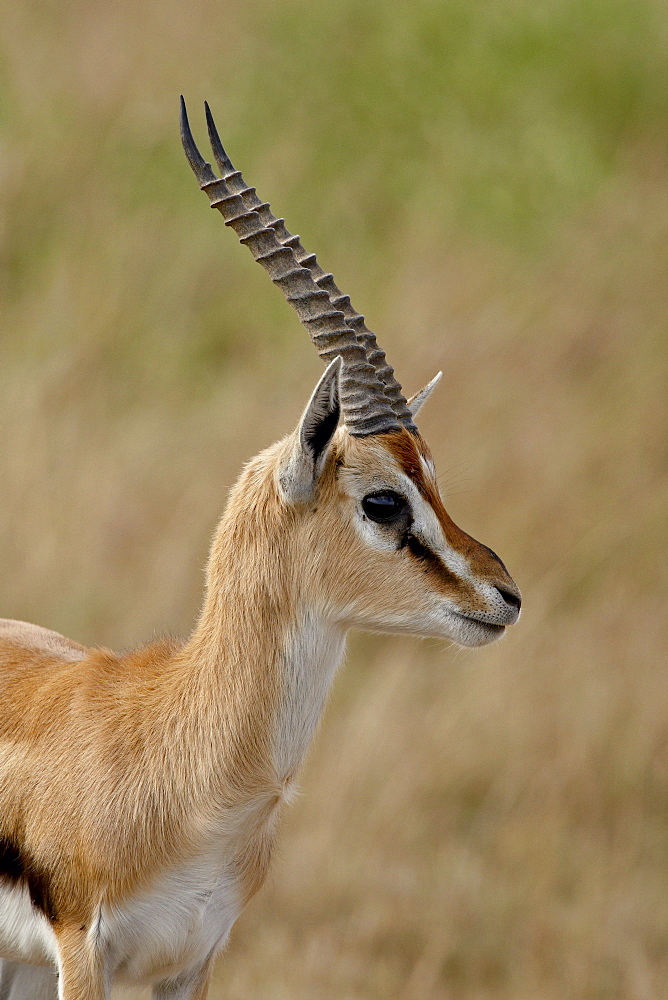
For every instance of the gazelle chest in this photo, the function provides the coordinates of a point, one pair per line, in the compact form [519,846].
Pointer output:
[176,922]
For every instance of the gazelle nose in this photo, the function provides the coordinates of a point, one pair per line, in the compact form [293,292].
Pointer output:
[512,600]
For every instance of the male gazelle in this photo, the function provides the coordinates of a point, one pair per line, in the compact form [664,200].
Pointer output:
[139,794]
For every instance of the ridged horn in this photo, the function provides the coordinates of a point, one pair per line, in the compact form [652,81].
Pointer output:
[324,279]
[365,407]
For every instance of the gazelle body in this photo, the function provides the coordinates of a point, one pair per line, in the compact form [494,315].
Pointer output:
[139,794]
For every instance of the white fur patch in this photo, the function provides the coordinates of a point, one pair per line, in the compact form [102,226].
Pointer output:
[25,933]
[428,466]
[175,924]
[312,654]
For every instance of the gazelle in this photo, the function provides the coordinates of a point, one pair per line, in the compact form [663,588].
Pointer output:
[139,794]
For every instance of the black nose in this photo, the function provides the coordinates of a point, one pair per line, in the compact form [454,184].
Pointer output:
[513,600]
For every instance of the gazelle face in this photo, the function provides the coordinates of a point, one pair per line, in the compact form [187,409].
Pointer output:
[377,546]
[398,561]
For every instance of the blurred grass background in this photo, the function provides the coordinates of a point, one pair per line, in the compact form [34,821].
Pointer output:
[488,181]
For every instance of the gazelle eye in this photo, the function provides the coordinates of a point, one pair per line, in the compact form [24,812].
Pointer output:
[383,507]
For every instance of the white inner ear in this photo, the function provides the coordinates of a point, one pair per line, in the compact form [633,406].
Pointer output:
[299,474]
[416,401]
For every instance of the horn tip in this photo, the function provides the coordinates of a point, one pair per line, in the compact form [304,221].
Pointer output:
[199,165]
[219,152]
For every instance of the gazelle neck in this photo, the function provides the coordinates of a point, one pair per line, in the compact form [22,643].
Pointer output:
[310,657]
[263,655]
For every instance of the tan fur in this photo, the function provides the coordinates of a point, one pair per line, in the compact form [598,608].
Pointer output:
[35,637]
[115,769]
[81,967]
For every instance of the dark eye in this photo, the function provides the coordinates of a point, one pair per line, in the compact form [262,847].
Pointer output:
[383,507]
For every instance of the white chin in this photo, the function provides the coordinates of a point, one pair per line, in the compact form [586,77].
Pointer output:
[472,633]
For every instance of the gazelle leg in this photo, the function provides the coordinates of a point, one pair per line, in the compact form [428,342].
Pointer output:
[80,966]
[27,982]
[191,985]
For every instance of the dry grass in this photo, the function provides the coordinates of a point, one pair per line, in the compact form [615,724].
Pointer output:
[489,825]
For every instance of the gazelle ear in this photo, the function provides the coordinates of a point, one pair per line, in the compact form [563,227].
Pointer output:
[299,474]
[416,401]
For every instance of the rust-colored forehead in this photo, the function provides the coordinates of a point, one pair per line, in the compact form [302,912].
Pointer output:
[399,449]
[411,452]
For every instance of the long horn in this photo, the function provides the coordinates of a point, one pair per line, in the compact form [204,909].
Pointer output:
[324,279]
[366,408]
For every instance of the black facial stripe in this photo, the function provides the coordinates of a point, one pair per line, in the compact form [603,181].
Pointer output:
[425,556]
[16,866]
[416,547]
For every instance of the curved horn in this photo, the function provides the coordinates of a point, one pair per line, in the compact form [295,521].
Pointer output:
[366,408]
[324,279]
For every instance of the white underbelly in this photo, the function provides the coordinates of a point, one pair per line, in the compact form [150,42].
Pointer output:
[25,933]
[175,924]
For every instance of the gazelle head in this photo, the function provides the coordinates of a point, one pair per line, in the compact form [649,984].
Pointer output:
[379,550]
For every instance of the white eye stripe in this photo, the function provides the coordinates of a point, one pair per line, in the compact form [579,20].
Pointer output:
[428,466]
[375,535]
[424,516]
[427,528]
